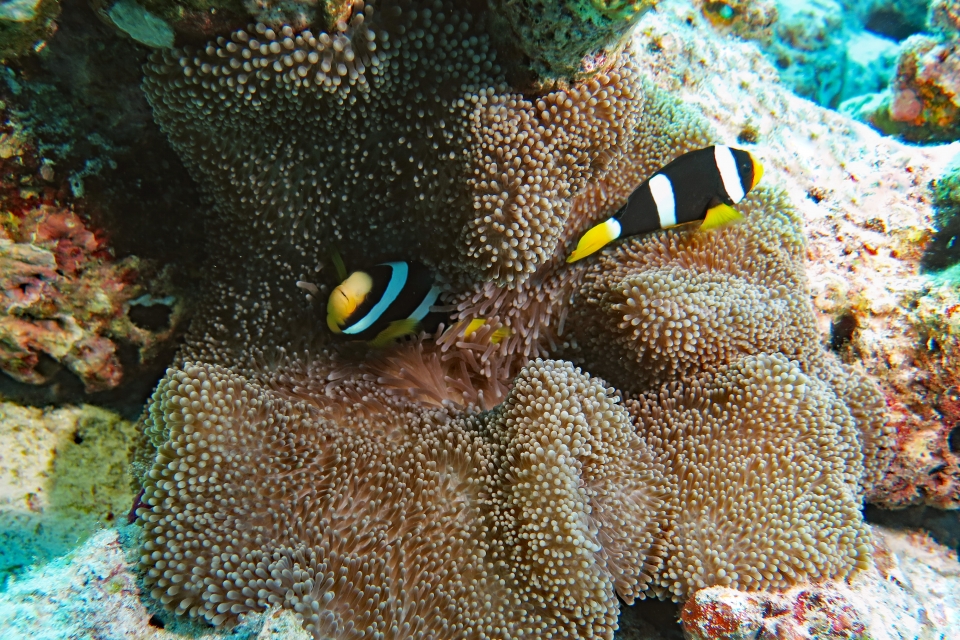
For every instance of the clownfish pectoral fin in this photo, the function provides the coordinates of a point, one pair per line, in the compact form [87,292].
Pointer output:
[394,330]
[595,239]
[719,216]
[495,338]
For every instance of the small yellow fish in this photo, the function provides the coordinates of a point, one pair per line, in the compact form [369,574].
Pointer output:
[498,335]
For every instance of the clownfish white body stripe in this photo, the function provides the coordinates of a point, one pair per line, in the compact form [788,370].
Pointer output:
[662,192]
[701,185]
[729,173]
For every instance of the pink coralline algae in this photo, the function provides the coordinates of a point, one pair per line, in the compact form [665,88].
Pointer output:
[911,591]
[922,102]
[63,297]
[60,299]
[719,613]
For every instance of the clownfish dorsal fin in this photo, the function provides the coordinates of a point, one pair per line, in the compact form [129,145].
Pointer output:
[394,330]
[720,215]
[338,264]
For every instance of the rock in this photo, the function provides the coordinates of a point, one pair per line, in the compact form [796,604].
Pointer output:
[565,39]
[63,475]
[922,103]
[913,591]
[25,24]
[871,60]
[822,48]
[94,592]
[141,25]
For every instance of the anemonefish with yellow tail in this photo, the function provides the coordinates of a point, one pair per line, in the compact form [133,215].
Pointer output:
[383,303]
[699,185]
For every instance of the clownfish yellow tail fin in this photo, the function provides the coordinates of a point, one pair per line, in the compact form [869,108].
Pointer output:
[719,216]
[757,172]
[338,264]
[595,239]
[394,330]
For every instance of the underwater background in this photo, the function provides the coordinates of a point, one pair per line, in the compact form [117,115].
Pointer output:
[749,431]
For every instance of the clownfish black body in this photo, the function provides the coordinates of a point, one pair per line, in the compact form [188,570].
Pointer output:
[699,185]
[382,303]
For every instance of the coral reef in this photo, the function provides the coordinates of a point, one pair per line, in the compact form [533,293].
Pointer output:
[63,474]
[264,421]
[824,50]
[284,470]
[25,24]
[868,219]
[896,599]
[66,300]
[565,39]
[922,102]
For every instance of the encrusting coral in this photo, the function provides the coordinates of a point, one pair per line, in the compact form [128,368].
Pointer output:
[517,523]
[65,300]
[362,488]
[564,39]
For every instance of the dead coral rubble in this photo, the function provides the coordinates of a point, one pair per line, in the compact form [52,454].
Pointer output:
[64,296]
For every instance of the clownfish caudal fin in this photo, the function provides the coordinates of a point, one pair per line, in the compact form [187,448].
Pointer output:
[394,330]
[495,338]
[338,264]
[757,171]
[719,216]
[595,239]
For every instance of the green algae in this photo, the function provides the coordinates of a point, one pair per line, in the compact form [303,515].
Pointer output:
[63,476]
[25,25]
[566,39]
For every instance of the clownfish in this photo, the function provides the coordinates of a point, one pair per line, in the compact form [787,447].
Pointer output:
[699,185]
[383,303]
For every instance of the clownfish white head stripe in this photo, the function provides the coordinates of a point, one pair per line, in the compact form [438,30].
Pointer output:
[398,278]
[729,175]
[388,301]
[699,186]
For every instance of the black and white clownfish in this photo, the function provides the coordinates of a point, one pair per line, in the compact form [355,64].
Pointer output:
[383,303]
[699,185]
